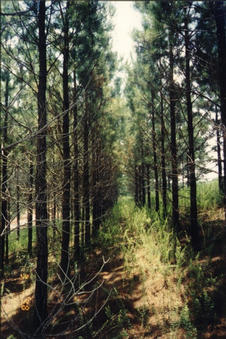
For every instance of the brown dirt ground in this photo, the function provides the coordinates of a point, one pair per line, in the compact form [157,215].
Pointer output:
[146,301]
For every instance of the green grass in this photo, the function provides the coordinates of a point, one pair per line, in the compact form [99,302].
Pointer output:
[208,196]
[150,247]
[141,234]
[21,244]
[150,250]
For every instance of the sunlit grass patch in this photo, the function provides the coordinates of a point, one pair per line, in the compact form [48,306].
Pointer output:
[152,253]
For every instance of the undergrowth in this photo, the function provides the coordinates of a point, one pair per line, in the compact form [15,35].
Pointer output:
[208,197]
[176,288]
[175,284]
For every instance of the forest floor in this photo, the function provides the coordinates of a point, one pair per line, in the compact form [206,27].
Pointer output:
[145,300]
[141,302]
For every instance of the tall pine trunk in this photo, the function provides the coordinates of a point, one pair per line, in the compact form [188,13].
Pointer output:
[7,227]
[219,161]
[30,208]
[173,144]
[18,203]
[143,175]
[194,227]
[4,184]
[163,161]
[66,155]
[76,175]
[86,191]
[96,151]
[148,186]
[40,309]
[140,185]
[154,153]
[136,183]
[221,42]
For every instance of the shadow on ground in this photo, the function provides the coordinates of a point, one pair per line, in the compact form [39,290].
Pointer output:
[208,306]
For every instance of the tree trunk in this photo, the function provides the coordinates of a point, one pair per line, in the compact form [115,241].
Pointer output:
[148,186]
[143,176]
[76,176]
[136,192]
[163,162]
[7,228]
[4,217]
[54,212]
[40,309]
[18,203]
[173,144]
[86,202]
[140,186]
[96,150]
[194,227]
[221,42]
[155,154]
[30,209]
[219,161]
[66,155]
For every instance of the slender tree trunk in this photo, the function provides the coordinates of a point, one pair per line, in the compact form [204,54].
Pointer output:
[140,186]
[18,203]
[40,310]
[83,226]
[163,161]
[221,42]
[54,217]
[96,151]
[66,155]
[1,240]
[219,161]
[7,229]
[4,217]
[136,196]
[194,227]
[8,205]
[86,192]
[30,208]
[143,176]
[148,186]
[76,176]
[173,144]
[155,154]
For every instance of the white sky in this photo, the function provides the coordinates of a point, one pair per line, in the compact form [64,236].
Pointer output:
[126,19]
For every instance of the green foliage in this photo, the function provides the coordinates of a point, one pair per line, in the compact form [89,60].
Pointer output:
[138,230]
[117,322]
[202,304]
[136,227]
[208,196]
[186,323]
[143,315]
[17,246]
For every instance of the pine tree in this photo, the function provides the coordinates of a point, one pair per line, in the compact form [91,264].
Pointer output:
[40,313]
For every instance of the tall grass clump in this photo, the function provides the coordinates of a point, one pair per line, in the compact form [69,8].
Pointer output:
[208,195]
[151,252]
[176,285]
[136,228]
[19,245]
[146,232]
